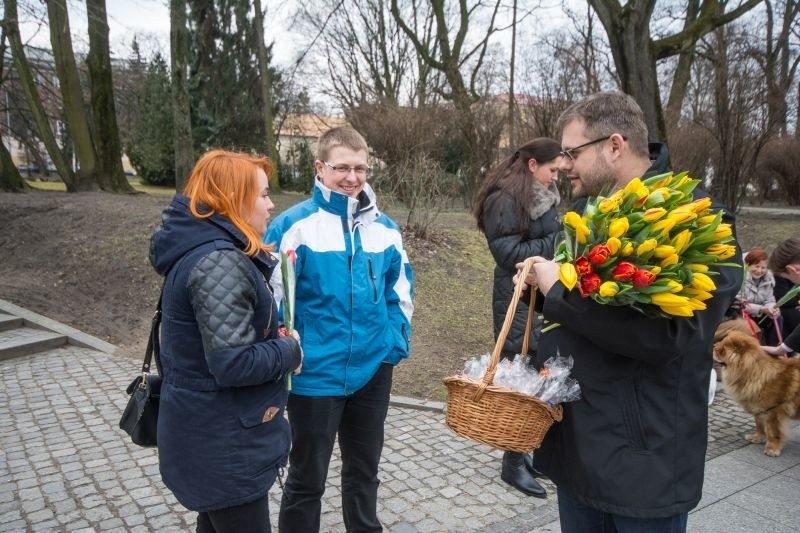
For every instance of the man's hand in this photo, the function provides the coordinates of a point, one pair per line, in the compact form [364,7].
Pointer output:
[543,275]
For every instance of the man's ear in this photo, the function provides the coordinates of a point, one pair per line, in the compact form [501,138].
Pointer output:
[617,142]
[318,166]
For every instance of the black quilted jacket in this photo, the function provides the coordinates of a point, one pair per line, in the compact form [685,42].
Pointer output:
[509,247]
[221,431]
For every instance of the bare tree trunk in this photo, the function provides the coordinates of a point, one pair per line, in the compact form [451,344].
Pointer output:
[72,95]
[111,176]
[10,178]
[32,96]
[266,94]
[683,73]
[636,52]
[179,49]
[512,140]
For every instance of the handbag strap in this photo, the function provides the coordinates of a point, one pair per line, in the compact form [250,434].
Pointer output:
[153,342]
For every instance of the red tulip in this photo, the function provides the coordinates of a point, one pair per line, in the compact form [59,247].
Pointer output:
[623,271]
[643,278]
[582,266]
[589,284]
[599,254]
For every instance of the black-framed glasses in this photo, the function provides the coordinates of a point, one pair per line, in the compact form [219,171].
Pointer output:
[571,153]
[344,170]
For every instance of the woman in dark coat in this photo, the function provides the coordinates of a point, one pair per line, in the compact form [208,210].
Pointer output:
[222,435]
[784,262]
[516,210]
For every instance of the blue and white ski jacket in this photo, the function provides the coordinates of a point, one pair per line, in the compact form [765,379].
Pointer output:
[354,289]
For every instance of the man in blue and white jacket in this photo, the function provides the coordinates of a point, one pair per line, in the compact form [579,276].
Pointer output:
[353,307]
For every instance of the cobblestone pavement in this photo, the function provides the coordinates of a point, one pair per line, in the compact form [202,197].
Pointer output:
[65,466]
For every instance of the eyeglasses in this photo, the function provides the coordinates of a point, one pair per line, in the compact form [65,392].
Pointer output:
[572,153]
[344,170]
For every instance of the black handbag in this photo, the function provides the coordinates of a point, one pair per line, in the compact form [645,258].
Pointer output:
[140,418]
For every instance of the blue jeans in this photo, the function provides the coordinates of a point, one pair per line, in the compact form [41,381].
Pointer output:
[358,420]
[578,518]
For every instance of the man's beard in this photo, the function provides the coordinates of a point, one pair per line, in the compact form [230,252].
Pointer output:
[599,179]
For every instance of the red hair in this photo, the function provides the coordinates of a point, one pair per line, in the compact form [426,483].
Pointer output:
[225,182]
[754,256]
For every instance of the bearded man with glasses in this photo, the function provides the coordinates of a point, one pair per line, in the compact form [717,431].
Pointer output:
[629,455]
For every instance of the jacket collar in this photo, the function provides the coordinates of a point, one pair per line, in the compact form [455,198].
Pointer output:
[363,209]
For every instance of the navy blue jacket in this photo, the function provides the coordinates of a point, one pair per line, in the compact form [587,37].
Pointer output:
[221,431]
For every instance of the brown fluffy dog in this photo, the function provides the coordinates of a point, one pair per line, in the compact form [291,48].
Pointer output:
[766,387]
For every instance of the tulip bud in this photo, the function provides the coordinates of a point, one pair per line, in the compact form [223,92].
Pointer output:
[677,310]
[681,214]
[582,232]
[567,275]
[647,246]
[674,286]
[702,282]
[613,244]
[633,186]
[618,226]
[663,226]
[663,250]
[583,266]
[623,271]
[670,260]
[668,299]
[697,267]
[642,278]
[681,240]
[609,289]
[607,205]
[589,284]
[599,254]
[654,213]
[572,219]
[698,206]
[627,249]
[723,231]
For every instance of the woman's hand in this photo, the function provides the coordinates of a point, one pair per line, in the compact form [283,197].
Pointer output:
[771,310]
[543,275]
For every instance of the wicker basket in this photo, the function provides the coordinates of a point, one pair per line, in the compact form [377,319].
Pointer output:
[498,416]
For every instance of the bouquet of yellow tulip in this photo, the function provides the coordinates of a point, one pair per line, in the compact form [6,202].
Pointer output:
[649,243]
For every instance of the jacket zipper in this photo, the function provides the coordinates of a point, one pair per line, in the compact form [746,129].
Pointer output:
[372,281]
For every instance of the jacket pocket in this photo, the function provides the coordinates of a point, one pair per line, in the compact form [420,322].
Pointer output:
[258,406]
[631,415]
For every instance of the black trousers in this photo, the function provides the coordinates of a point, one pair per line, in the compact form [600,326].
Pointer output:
[316,420]
[250,517]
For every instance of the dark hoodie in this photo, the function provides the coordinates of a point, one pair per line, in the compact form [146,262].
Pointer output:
[221,430]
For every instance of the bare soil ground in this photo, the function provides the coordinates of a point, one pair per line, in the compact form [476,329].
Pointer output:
[81,259]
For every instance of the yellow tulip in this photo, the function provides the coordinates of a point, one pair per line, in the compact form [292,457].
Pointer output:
[568,275]
[661,183]
[647,246]
[674,286]
[613,244]
[627,249]
[609,289]
[668,299]
[572,219]
[664,250]
[582,233]
[606,205]
[702,282]
[723,251]
[670,260]
[697,294]
[723,231]
[663,226]
[655,270]
[696,304]
[618,226]
[677,310]
[698,206]
[697,267]
[681,240]
[633,186]
[681,214]
[653,214]
[706,220]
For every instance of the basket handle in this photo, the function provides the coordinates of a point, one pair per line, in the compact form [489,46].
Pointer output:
[501,338]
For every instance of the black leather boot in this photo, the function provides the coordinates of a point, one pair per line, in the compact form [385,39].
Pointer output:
[516,474]
[528,459]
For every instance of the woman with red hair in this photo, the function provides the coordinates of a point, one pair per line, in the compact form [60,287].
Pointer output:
[222,435]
